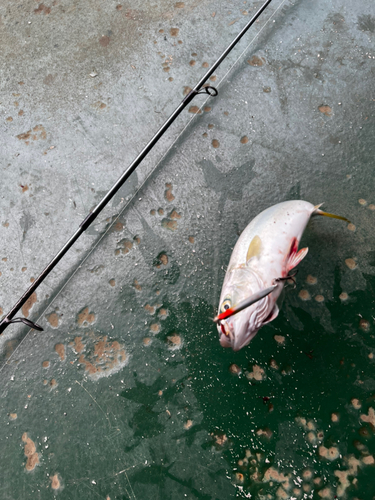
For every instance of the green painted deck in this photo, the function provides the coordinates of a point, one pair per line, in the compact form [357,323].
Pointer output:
[127,394]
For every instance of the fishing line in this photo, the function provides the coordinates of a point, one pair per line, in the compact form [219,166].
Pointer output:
[199,88]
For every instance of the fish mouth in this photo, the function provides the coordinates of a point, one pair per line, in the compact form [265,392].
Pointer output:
[228,339]
[226,336]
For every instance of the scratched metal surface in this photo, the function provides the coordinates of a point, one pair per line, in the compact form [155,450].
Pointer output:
[128,394]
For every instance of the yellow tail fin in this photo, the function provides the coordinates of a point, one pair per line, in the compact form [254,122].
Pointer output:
[326,214]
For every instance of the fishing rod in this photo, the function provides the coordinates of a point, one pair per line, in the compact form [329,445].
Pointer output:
[200,88]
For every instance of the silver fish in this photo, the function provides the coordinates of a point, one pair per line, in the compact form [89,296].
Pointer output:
[262,258]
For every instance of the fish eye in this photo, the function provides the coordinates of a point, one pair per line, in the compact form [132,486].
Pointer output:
[226,304]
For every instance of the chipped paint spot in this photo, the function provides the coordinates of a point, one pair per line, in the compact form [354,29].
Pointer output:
[257,373]
[280,339]
[326,110]
[60,349]
[53,319]
[256,61]
[304,295]
[351,263]
[55,482]
[35,134]
[370,417]
[100,357]
[29,304]
[331,453]
[30,453]
[188,424]
[154,328]
[174,341]
[168,195]
[85,317]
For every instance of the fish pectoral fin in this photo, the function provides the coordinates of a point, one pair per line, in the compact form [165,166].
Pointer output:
[254,248]
[295,258]
[274,313]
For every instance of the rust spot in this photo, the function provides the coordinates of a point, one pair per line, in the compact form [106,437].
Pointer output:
[205,65]
[149,309]
[53,383]
[169,224]
[136,285]
[77,345]
[29,304]
[187,90]
[163,259]
[45,364]
[60,349]
[244,139]
[9,119]
[24,188]
[104,358]
[191,239]
[112,282]
[86,317]
[174,31]
[119,226]
[30,452]
[39,133]
[153,212]
[364,325]
[175,215]
[155,328]
[42,8]
[168,192]
[256,61]
[160,211]
[195,110]
[179,5]
[207,109]
[53,320]
[351,263]
[215,143]
[192,62]
[124,247]
[118,7]
[163,313]
[174,340]
[104,40]
[326,110]
[13,416]
[6,224]
[49,79]
[55,482]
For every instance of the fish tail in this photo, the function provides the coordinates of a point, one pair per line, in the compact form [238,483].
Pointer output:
[326,214]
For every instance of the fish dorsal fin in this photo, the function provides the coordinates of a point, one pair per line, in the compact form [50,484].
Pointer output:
[254,248]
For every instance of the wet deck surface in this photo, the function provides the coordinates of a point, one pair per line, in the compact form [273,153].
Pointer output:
[127,393]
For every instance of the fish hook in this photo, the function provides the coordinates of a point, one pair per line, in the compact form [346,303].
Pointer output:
[289,277]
